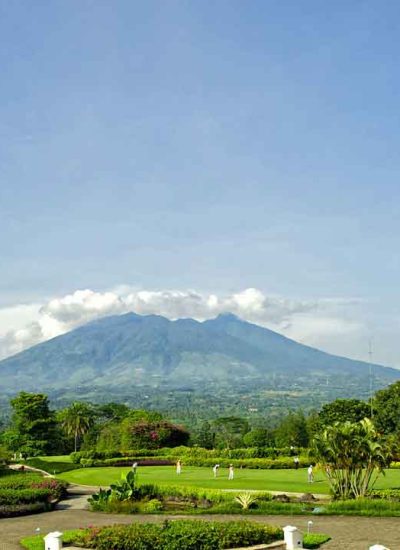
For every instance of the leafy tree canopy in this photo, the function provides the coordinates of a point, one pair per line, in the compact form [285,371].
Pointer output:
[33,430]
[292,431]
[344,410]
[229,431]
[387,409]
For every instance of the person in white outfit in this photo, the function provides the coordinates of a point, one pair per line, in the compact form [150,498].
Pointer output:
[215,470]
[310,474]
[179,467]
[231,473]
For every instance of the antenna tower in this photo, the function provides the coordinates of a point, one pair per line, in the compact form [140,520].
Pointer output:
[370,375]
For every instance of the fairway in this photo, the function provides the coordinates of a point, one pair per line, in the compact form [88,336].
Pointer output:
[261,480]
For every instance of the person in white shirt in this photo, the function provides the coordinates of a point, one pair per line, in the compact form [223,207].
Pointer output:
[310,474]
[179,467]
[231,473]
[215,470]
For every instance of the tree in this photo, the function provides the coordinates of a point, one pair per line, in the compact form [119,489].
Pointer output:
[76,420]
[343,410]
[258,437]
[229,431]
[387,409]
[292,431]
[205,436]
[148,434]
[352,454]
[33,428]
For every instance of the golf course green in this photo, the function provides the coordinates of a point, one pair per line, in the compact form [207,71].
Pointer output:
[245,479]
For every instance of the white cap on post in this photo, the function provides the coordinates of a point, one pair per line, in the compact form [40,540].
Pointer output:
[53,541]
[293,537]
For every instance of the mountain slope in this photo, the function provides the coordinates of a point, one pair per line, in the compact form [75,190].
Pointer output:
[134,350]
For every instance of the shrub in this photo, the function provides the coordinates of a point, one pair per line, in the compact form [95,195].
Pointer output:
[152,506]
[120,507]
[245,500]
[57,488]
[195,456]
[175,535]
[363,507]
[314,540]
[13,510]
[24,496]
[385,494]
[19,480]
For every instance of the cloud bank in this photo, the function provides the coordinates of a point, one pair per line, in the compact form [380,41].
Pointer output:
[315,322]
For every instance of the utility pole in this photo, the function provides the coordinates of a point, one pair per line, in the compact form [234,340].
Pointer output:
[370,375]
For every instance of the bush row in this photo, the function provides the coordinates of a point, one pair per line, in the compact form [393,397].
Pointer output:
[13,510]
[189,452]
[385,494]
[24,496]
[56,487]
[175,535]
[253,463]
[19,481]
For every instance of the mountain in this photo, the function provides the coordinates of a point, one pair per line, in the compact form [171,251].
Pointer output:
[116,353]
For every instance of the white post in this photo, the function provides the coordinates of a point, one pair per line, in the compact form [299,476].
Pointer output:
[378,547]
[293,538]
[53,541]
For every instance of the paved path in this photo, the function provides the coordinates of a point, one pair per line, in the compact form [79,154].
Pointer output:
[348,533]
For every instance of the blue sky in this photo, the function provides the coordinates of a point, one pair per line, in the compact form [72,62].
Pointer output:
[214,146]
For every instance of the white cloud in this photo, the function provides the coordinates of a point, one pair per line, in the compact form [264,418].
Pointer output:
[309,321]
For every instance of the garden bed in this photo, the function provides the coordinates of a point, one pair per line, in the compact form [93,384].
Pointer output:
[28,493]
[176,535]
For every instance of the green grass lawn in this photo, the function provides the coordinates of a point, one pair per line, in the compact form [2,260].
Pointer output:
[59,458]
[261,480]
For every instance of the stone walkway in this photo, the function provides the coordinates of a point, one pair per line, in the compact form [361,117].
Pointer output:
[348,533]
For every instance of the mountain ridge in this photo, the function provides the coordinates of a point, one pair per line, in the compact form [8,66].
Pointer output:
[140,350]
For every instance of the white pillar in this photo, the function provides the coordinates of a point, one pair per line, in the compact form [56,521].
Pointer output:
[293,537]
[53,541]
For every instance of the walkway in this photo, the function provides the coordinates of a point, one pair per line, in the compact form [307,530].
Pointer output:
[348,533]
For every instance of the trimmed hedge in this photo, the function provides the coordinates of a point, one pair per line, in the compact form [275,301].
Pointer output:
[252,463]
[20,481]
[24,496]
[175,535]
[190,452]
[14,510]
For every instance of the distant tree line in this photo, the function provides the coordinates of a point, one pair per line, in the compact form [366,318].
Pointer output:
[36,429]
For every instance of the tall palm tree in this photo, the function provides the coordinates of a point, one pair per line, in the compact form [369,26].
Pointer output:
[76,420]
